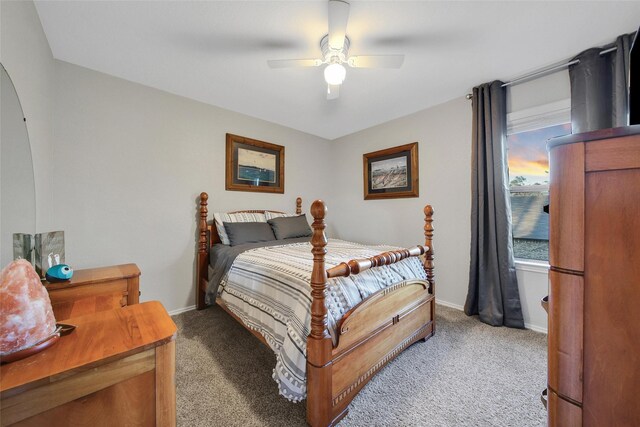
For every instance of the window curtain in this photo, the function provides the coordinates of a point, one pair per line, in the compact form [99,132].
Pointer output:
[600,87]
[493,286]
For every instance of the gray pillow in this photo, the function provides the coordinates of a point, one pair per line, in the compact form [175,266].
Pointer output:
[248,232]
[289,227]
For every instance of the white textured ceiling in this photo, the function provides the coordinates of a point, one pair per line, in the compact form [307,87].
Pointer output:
[216,52]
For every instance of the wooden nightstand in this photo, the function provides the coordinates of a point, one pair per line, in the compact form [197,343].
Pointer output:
[95,289]
[117,368]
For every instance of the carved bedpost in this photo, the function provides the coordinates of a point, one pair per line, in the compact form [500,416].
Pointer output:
[319,274]
[203,265]
[428,259]
[299,206]
[319,346]
[428,240]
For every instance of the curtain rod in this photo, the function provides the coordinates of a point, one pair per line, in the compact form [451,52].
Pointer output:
[546,70]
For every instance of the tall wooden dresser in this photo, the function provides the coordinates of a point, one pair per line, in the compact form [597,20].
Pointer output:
[594,291]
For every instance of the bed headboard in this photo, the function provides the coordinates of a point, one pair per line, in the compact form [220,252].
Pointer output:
[210,235]
[207,237]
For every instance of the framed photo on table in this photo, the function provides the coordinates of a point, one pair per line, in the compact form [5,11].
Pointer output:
[391,173]
[254,165]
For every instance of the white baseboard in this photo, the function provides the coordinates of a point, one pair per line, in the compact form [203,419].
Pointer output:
[461,308]
[535,328]
[449,304]
[182,310]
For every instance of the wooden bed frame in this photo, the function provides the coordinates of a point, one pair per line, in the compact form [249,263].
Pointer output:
[369,335]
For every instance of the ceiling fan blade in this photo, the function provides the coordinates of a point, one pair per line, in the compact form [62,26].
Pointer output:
[293,63]
[338,17]
[333,91]
[376,61]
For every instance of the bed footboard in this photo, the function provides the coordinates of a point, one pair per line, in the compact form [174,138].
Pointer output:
[370,334]
[375,334]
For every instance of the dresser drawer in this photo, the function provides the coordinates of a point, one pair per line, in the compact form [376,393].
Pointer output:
[95,289]
[566,301]
[80,300]
[566,207]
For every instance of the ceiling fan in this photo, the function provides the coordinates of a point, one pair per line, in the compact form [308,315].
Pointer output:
[335,51]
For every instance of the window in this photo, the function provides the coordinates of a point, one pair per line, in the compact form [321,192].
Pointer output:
[529,185]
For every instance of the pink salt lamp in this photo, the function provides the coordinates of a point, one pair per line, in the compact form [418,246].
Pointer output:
[26,317]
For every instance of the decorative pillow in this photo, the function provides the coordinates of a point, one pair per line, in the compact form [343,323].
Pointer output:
[248,232]
[288,227]
[221,218]
[272,215]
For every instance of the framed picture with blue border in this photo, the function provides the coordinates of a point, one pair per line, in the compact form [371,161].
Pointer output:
[254,165]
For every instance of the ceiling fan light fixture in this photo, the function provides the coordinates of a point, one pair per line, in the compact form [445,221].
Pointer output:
[334,74]
[335,52]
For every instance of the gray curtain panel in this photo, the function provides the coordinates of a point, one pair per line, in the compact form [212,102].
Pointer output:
[600,87]
[493,286]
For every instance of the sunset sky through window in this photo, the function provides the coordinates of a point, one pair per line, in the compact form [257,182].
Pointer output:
[528,155]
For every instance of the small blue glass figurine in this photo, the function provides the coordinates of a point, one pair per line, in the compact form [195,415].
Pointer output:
[59,273]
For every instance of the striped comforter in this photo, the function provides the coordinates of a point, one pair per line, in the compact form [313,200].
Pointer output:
[269,289]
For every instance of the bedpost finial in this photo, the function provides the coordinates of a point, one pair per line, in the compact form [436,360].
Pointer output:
[298,205]
[428,225]
[204,197]
[318,209]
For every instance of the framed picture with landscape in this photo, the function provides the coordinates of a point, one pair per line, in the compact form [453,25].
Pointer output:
[254,165]
[391,173]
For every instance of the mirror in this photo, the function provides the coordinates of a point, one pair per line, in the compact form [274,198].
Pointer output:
[17,184]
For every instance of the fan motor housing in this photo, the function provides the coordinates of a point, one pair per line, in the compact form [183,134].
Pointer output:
[340,54]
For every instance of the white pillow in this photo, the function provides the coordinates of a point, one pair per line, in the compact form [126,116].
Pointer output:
[220,218]
[272,215]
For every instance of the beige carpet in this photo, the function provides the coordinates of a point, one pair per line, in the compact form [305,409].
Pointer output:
[468,374]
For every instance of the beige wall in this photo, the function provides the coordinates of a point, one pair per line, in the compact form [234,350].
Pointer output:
[134,159]
[444,134]
[25,53]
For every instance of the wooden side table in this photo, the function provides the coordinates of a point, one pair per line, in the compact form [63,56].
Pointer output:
[116,368]
[95,289]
